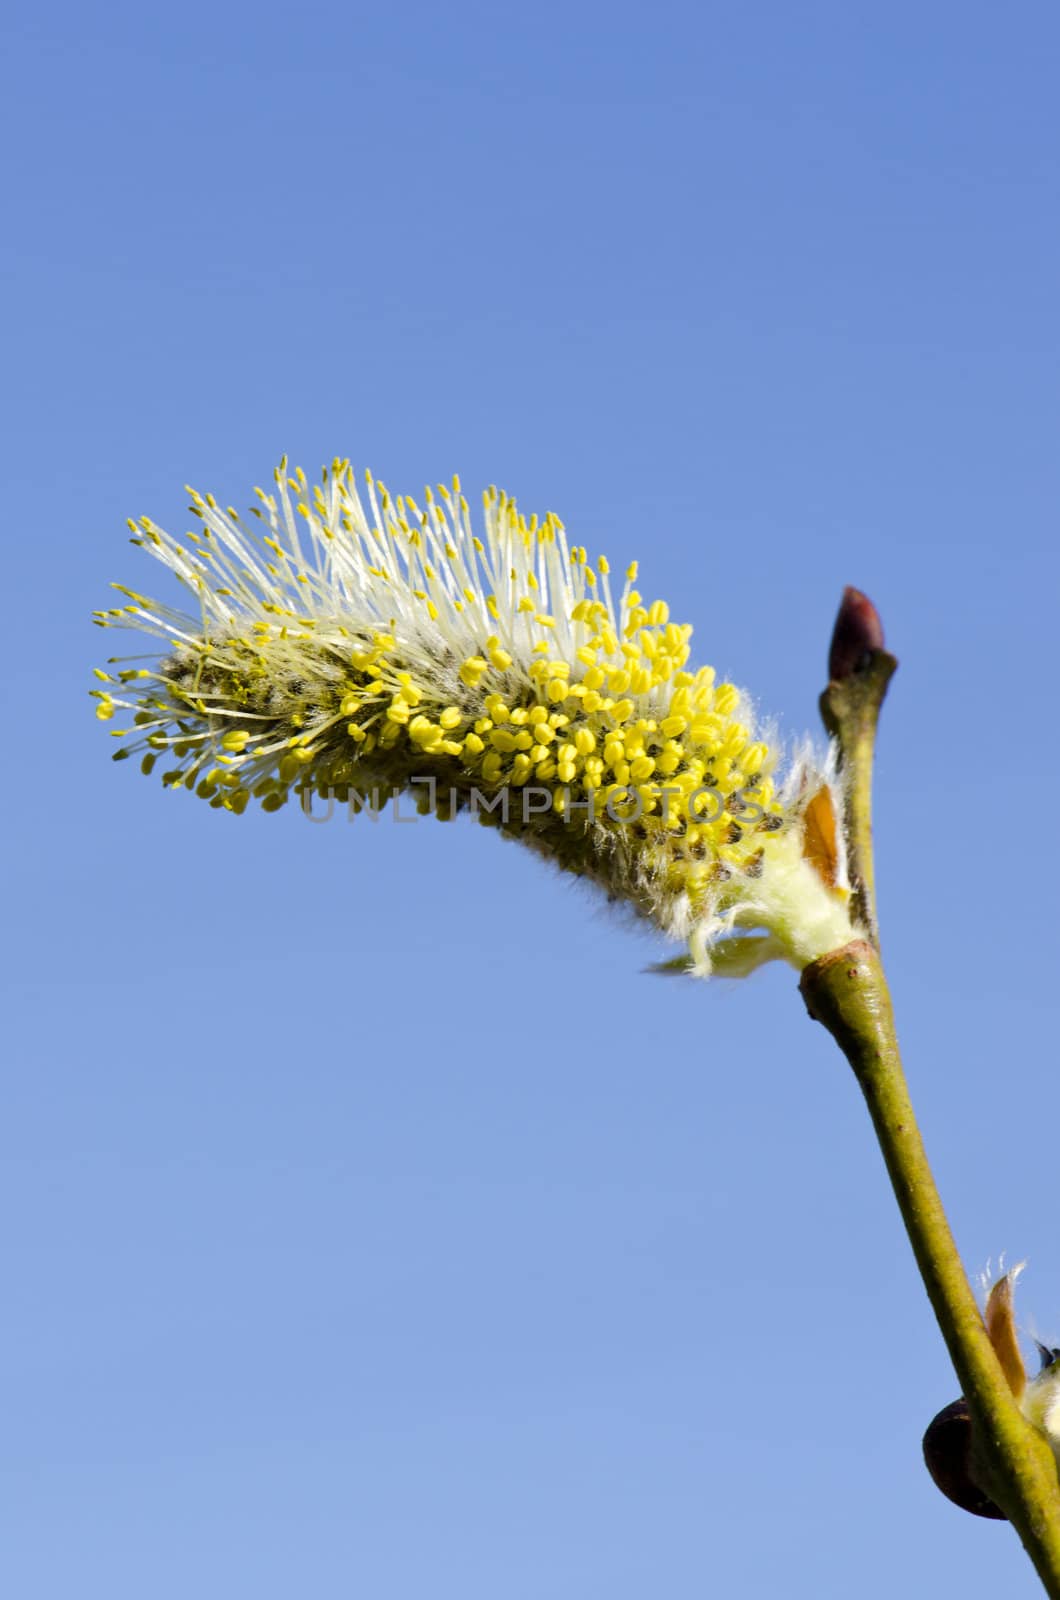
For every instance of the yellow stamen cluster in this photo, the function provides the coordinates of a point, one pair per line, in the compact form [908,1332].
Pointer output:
[364,645]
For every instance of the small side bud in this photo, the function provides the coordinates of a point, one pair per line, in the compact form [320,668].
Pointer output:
[857,634]
[948,1458]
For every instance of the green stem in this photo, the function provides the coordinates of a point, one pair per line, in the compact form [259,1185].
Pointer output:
[847,992]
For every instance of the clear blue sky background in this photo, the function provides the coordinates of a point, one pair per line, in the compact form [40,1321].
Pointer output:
[371,1226]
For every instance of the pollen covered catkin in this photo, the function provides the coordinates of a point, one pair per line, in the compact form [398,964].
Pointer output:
[346,644]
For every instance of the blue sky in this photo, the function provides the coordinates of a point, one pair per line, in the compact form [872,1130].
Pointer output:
[371,1224]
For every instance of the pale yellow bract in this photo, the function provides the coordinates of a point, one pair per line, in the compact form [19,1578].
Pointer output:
[372,645]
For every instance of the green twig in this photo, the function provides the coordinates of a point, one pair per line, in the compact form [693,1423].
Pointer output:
[847,992]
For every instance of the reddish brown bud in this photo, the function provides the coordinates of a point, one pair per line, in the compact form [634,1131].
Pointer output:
[857,634]
[948,1458]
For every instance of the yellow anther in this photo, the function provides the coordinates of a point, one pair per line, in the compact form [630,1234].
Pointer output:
[733,742]
[471,671]
[425,733]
